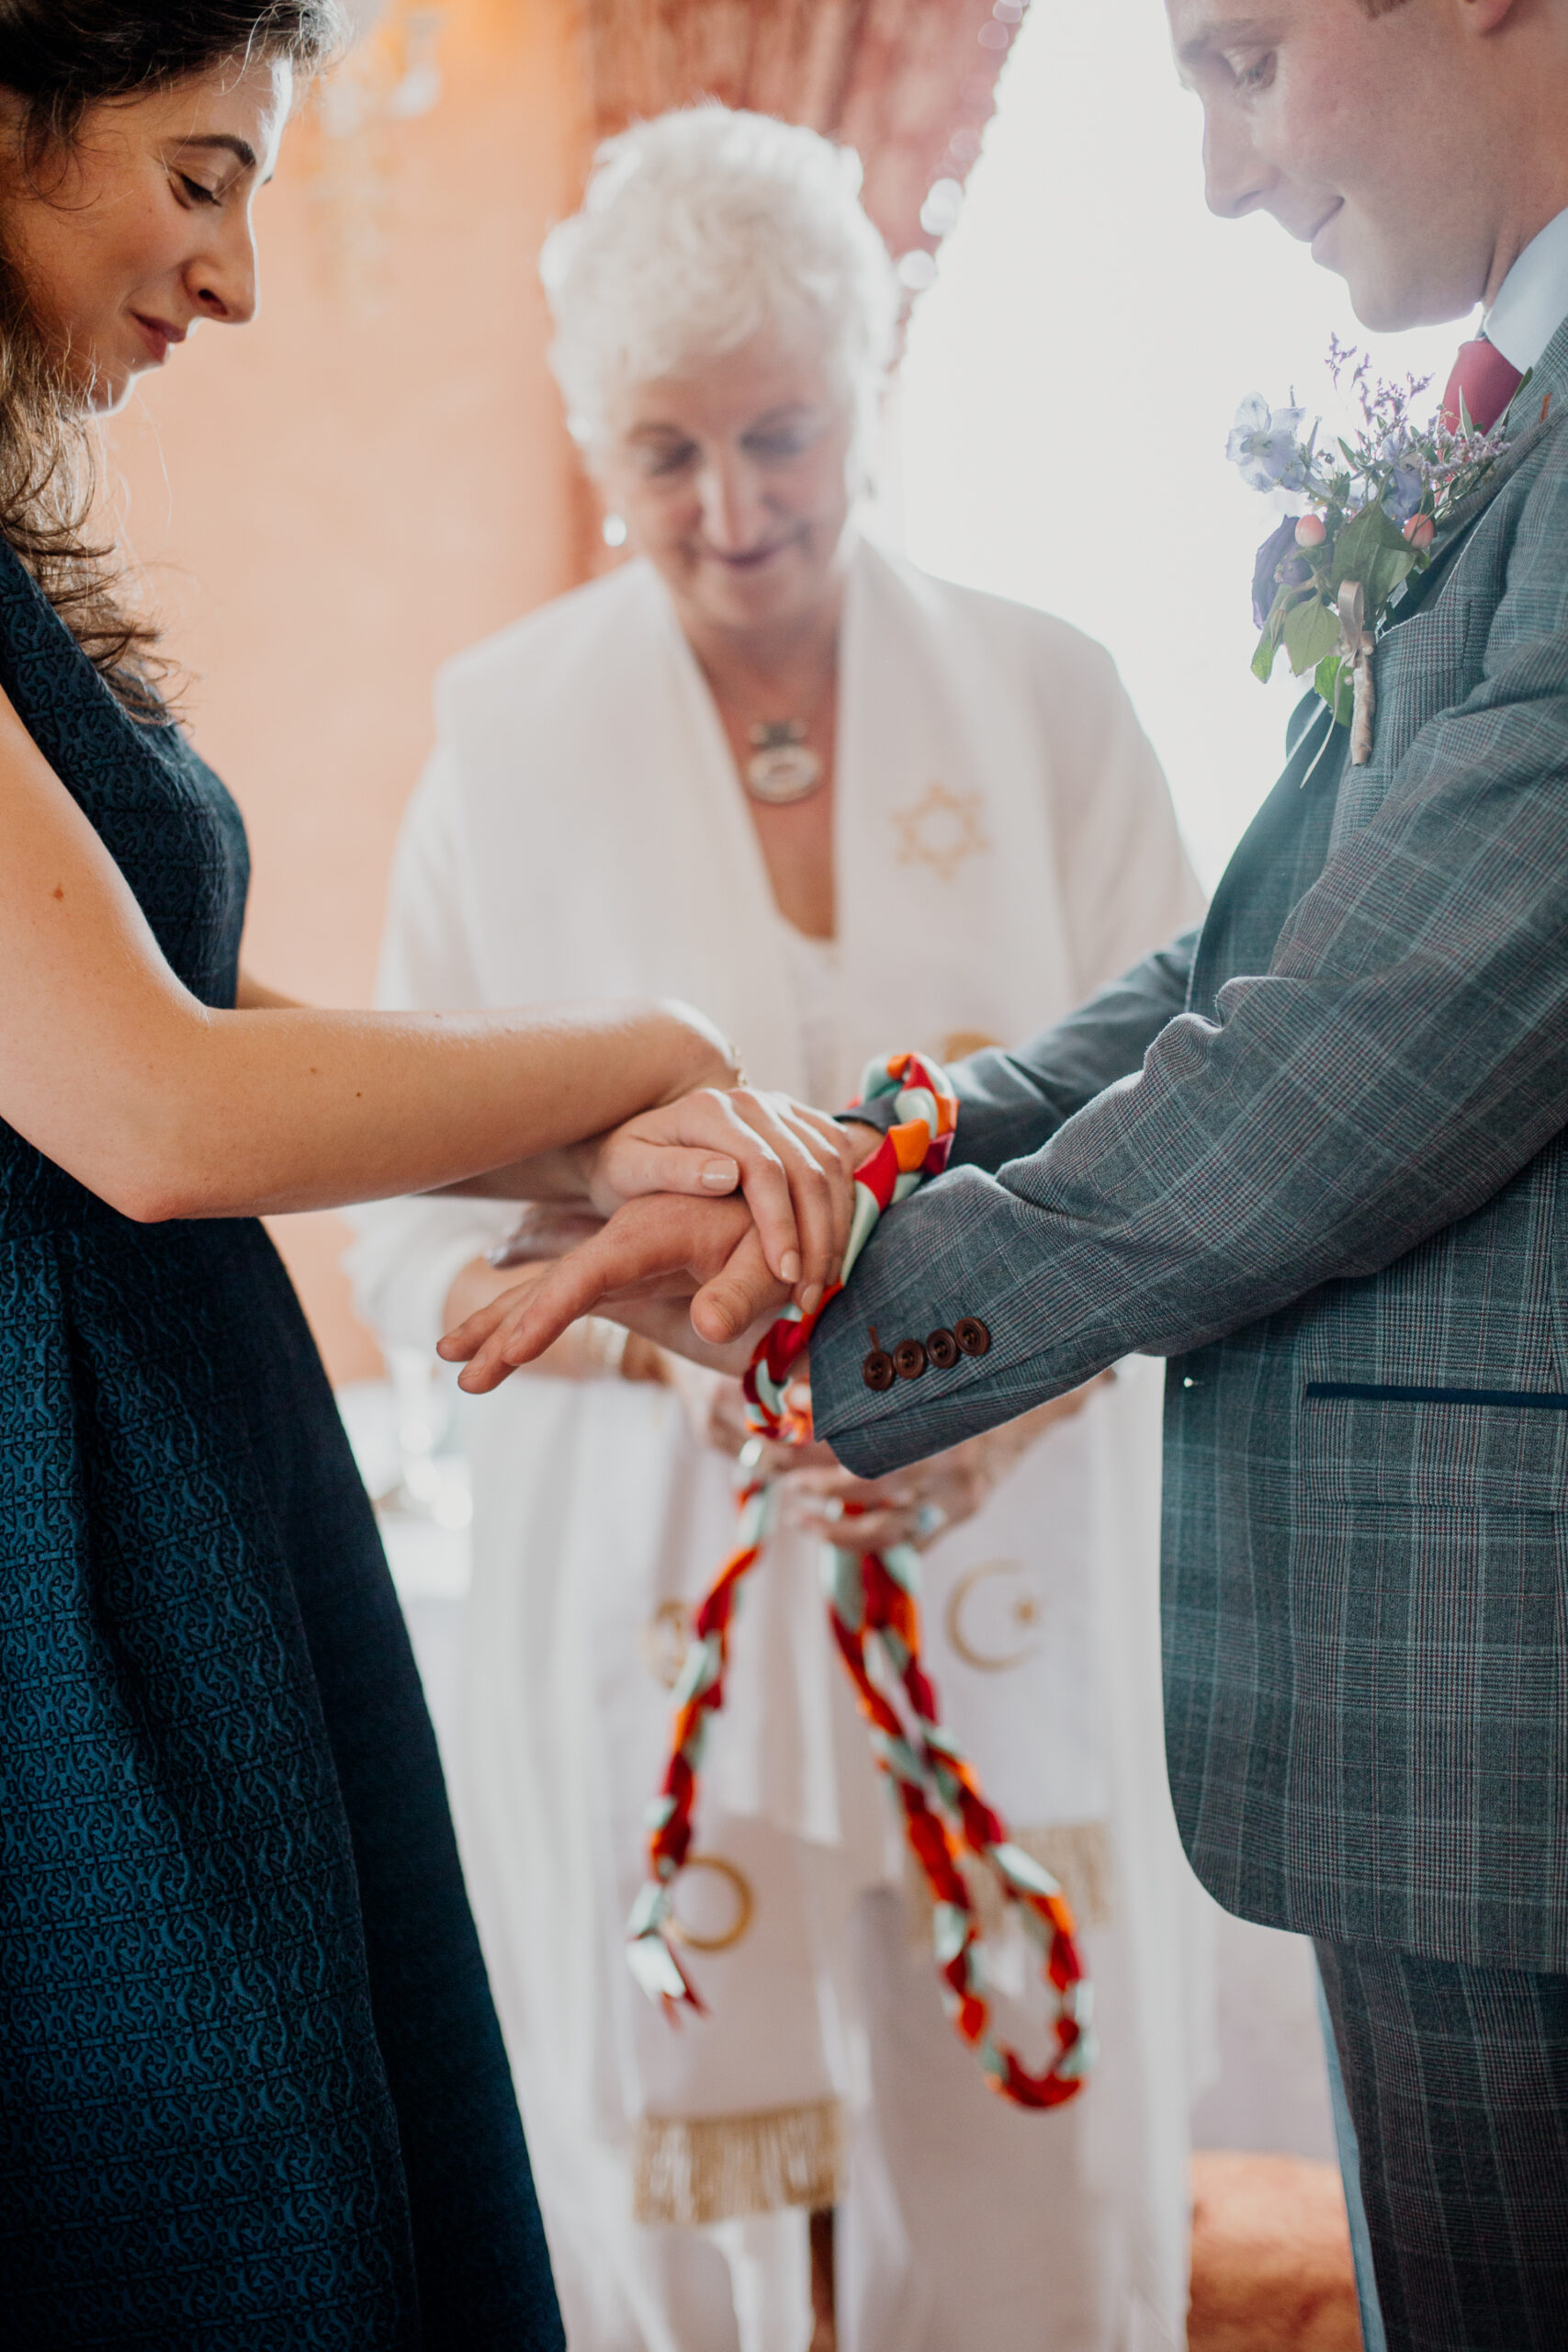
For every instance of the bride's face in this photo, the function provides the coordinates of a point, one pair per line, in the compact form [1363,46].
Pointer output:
[144,229]
[736,481]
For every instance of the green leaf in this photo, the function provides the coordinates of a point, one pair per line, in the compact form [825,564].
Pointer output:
[1273,630]
[1334,681]
[1372,548]
[1311,632]
[1365,538]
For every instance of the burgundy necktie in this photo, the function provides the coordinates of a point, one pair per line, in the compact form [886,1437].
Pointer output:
[1484,380]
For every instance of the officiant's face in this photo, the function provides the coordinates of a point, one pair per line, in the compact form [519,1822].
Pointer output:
[735,480]
[1357,130]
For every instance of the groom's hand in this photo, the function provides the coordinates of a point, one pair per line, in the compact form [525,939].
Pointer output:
[794,1165]
[649,1259]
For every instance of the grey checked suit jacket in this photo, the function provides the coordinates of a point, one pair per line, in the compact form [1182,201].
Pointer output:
[1314,1156]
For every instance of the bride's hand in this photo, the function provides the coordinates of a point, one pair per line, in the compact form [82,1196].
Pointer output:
[794,1165]
[643,1268]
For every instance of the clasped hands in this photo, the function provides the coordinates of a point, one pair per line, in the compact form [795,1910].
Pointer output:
[719,1209]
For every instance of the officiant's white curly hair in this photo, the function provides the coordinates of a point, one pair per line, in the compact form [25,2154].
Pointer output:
[698,230]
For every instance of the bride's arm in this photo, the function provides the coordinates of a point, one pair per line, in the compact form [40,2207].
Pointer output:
[167,1108]
[254,996]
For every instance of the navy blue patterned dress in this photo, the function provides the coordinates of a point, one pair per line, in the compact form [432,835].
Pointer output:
[252,2094]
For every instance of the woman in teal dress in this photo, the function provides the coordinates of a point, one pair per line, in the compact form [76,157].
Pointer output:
[252,2097]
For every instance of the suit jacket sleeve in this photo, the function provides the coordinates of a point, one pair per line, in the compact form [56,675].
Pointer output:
[1014,1101]
[1403,1056]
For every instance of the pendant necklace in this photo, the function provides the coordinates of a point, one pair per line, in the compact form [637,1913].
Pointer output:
[783,766]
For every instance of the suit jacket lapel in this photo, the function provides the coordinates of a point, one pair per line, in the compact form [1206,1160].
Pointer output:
[1316,747]
[1542,400]
[1262,877]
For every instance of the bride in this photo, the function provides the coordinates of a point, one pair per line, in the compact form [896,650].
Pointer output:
[253,2086]
[848,806]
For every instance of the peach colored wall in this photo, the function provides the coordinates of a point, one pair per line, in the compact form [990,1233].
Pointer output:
[369,477]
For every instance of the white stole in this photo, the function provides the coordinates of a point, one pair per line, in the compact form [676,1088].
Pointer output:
[1004,843]
[635,868]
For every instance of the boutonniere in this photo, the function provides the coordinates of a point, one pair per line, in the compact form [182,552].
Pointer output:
[1327,581]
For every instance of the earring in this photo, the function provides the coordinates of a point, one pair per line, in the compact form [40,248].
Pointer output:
[614,531]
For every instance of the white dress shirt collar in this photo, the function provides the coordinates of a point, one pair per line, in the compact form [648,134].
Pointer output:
[1532,300]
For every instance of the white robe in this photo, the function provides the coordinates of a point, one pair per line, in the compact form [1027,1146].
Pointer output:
[1004,845]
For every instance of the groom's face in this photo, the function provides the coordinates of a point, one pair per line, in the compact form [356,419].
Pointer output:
[1356,126]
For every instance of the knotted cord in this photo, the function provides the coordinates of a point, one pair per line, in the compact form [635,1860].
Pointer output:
[873,1597]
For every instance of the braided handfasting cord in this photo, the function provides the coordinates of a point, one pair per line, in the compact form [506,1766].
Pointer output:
[870,1596]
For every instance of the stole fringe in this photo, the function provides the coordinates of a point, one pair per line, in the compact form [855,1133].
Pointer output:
[693,2170]
[1076,1854]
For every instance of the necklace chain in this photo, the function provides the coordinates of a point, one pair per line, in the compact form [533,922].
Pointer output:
[781,767]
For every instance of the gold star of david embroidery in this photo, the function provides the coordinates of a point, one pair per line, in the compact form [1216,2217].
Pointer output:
[941,830]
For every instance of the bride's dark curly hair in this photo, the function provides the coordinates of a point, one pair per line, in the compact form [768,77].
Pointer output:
[59,58]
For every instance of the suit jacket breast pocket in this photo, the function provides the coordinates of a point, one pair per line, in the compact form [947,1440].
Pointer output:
[1417,1448]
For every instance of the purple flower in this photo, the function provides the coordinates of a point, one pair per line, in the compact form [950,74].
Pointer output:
[1405,493]
[1271,572]
[1251,418]
[1266,445]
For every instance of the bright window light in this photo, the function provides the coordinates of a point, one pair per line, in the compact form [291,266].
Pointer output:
[1072,375]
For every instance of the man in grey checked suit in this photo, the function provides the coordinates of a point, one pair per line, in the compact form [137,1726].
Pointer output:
[1314,1156]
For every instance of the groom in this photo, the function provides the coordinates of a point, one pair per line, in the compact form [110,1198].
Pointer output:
[1315,1156]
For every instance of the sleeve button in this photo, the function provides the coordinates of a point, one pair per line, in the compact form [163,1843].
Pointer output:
[972,1336]
[908,1359]
[942,1349]
[877,1370]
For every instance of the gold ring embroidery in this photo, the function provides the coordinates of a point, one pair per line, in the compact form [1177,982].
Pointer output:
[664,1641]
[745,1904]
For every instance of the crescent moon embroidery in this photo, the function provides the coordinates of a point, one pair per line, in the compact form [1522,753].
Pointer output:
[1026,1612]
[745,1904]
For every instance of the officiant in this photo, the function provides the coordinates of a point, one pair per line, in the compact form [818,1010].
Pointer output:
[768,768]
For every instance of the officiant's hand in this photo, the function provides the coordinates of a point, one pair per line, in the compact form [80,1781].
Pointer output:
[917,1505]
[689,1273]
[794,1165]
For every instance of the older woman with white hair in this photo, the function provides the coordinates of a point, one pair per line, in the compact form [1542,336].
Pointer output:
[844,807]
